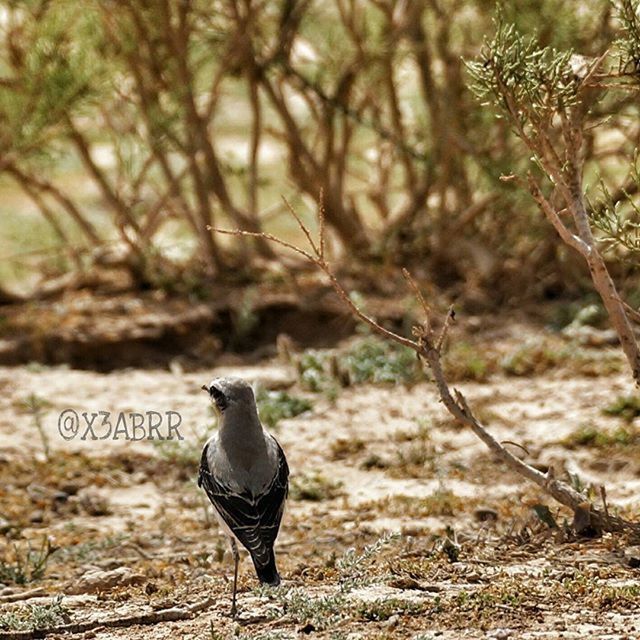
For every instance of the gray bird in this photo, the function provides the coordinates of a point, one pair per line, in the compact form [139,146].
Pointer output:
[244,472]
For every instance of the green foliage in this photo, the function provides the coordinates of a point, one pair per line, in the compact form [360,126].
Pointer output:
[618,219]
[313,371]
[274,406]
[326,611]
[37,407]
[629,43]
[374,360]
[590,436]
[57,70]
[21,566]
[353,566]
[321,612]
[35,616]
[627,407]
[519,77]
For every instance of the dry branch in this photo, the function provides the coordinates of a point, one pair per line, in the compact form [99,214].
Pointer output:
[428,346]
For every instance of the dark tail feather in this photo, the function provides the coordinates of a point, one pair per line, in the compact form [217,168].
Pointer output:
[267,573]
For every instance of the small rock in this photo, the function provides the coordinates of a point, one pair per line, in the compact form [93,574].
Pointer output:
[393,621]
[500,634]
[5,525]
[36,517]
[93,503]
[70,488]
[632,557]
[94,580]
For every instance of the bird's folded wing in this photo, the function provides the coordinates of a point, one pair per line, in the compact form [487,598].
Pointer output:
[253,519]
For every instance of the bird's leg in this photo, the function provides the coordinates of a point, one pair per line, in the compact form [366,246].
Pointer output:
[236,560]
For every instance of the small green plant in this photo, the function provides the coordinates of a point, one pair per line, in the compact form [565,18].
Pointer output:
[35,616]
[590,436]
[313,487]
[627,407]
[21,566]
[322,612]
[373,360]
[37,407]
[274,406]
[353,566]
[313,371]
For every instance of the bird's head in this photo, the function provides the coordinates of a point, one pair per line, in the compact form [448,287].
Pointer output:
[229,392]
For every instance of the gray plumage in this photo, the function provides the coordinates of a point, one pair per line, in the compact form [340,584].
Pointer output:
[244,472]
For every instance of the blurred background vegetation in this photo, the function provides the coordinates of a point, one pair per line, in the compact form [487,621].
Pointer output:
[127,127]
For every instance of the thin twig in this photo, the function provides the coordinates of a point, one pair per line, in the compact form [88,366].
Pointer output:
[418,293]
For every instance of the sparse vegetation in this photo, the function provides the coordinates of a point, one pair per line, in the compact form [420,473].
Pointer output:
[34,616]
[380,610]
[38,407]
[26,563]
[313,487]
[373,360]
[627,407]
[274,406]
[591,436]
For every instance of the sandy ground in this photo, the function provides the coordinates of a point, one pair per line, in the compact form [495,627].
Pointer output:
[469,558]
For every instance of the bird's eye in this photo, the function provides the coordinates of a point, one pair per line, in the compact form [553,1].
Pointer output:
[219,398]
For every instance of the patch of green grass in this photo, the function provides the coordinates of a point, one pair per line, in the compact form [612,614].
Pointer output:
[313,487]
[20,566]
[591,436]
[274,406]
[35,616]
[627,407]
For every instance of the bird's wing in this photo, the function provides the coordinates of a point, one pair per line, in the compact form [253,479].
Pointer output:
[254,520]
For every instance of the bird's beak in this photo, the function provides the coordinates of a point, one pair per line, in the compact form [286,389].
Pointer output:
[205,388]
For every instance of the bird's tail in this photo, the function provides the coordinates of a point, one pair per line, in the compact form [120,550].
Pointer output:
[267,571]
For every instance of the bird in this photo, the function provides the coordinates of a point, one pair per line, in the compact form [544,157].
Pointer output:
[244,472]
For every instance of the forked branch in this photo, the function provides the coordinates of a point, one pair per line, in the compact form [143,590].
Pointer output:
[428,346]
